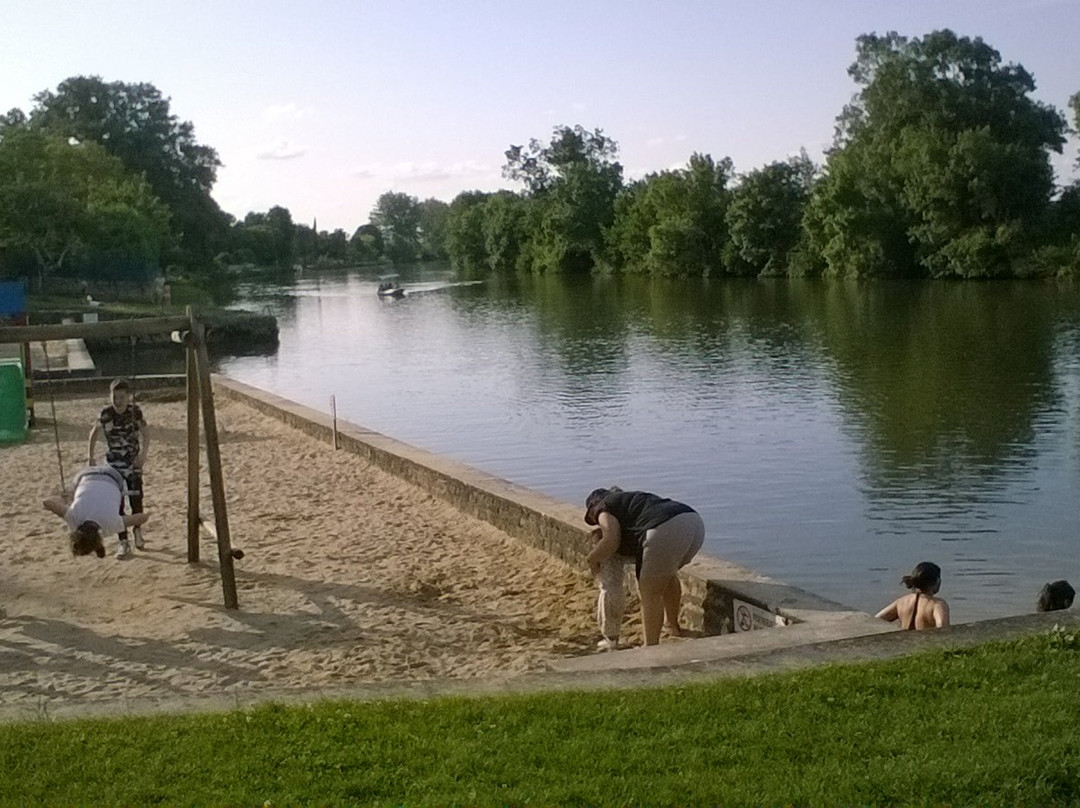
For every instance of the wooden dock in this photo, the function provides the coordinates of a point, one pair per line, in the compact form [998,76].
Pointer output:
[67,358]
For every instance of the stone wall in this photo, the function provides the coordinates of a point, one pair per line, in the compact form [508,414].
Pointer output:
[711,586]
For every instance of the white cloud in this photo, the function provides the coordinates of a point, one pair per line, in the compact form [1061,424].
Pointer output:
[285,112]
[660,141]
[420,172]
[281,149]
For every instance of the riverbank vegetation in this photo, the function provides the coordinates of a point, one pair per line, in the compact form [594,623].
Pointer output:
[940,168]
[992,725]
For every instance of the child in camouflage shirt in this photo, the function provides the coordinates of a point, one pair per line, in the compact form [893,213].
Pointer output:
[127,438]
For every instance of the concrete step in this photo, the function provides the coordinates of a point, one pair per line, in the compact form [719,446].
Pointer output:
[792,648]
[825,627]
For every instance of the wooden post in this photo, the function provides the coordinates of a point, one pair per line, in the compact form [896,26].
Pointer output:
[333,418]
[213,462]
[192,447]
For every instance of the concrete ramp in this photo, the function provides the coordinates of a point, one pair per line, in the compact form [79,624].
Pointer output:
[67,357]
[788,649]
[825,627]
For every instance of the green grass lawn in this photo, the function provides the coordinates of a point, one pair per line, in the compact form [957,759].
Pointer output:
[997,724]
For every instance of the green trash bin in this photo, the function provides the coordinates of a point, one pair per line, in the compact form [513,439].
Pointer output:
[12,401]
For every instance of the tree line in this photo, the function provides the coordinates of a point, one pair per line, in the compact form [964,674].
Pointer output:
[940,168]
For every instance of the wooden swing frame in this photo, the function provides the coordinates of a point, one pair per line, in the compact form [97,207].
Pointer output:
[200,398]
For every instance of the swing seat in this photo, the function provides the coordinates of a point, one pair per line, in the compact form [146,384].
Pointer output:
[13,412]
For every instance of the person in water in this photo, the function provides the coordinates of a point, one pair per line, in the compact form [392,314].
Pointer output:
[922,609]
[660,535]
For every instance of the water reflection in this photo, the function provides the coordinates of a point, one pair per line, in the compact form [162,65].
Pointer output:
[831,435]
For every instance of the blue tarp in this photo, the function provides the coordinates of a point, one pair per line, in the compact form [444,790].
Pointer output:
[12,298]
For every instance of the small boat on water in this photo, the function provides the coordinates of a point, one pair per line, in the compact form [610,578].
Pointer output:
[390,289]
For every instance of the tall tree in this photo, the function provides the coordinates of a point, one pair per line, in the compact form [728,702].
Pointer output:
[265,239]
[366,244]
[941,163]
[672,223]
[434,218]
[572,183]
[305,244]
[133,122]
[334,245]
[283,234]
[69,203]
[764,217]
[397,215]
[503,226]
[464,231]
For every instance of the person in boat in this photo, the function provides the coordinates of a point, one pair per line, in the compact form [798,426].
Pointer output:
[921,609]
[661,535]
[390,289]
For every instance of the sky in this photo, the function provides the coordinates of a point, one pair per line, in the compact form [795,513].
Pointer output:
[320,107]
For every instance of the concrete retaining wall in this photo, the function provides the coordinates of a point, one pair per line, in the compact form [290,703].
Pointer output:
[711,586]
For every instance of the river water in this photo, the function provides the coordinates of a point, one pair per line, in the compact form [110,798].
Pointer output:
[831,435]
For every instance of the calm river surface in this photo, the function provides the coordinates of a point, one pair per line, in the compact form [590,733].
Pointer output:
[831,435]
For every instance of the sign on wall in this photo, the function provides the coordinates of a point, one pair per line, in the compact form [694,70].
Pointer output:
[749,617]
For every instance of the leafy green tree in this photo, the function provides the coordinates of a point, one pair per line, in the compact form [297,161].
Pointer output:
[672,223]
[504,230]
[433,222]
[133,122]
[397,215]
[305,244]
[283,234]
[366,244]
[464,232]
[251,241]
[13,119]
[265,239]
[857,233]
[941,163]
[334,245]
[1074,104]
[66,203]
[538,167]
[764,216]
[1062,256]
[572,184]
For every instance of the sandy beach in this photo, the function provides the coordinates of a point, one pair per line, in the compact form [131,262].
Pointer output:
[350,576]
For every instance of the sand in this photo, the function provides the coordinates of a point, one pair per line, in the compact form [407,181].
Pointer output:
[351,576]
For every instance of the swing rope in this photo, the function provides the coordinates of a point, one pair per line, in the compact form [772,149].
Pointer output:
[52,407]
[131,376]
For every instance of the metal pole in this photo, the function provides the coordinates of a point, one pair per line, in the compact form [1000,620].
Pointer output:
[333,417]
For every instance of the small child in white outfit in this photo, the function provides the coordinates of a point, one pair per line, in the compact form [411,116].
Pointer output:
[611,600]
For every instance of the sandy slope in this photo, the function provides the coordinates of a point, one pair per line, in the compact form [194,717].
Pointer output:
[350,576]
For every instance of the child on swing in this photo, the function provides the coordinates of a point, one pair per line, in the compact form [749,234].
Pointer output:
[96,504]
[128,440]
